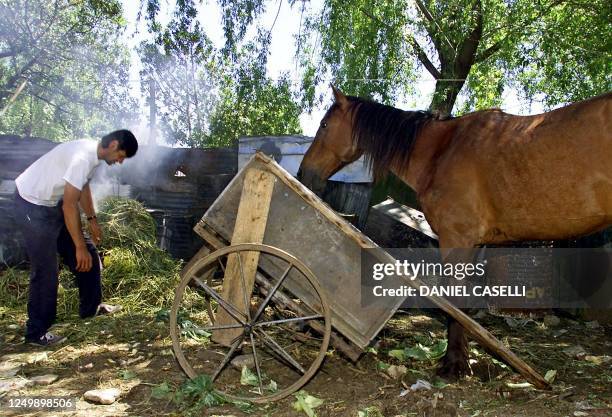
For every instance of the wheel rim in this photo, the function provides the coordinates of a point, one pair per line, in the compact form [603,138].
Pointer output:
[263,331]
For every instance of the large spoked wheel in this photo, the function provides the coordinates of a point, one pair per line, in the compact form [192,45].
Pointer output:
[277,344]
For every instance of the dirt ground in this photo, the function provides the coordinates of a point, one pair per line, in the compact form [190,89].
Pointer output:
[133,353]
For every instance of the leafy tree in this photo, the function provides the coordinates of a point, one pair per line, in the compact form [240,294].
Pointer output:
[180,61]
[63,71]
[210,97]
[251,104]
[556,48]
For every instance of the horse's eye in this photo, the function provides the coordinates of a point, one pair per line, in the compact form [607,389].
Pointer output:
[323,125]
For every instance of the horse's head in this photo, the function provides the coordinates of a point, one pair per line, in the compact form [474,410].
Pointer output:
[333,146]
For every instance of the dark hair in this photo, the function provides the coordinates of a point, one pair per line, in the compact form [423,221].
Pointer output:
[127,141]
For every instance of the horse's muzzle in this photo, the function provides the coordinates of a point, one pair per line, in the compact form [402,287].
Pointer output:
[312,180]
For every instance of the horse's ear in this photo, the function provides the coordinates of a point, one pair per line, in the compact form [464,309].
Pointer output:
[339,95]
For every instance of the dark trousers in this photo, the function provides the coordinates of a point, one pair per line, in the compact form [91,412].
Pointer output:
[45,234]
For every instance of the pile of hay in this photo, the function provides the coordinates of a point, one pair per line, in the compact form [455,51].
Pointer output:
[136,273]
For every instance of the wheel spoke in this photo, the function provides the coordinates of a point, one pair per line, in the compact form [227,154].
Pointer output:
[222,266]
[271,343]
[294,319]
[228,357]
[232,311]
[222,327]
[256,363]
[271,294]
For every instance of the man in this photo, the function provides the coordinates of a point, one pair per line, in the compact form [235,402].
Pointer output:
[47,201]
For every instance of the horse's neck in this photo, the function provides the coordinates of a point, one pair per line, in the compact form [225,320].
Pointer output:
[432,139]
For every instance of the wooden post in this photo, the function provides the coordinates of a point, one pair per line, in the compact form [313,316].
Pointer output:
[250,227]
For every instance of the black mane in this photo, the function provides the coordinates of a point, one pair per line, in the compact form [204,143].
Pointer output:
[385,134]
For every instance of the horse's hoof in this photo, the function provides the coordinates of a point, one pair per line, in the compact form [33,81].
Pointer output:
[454,369]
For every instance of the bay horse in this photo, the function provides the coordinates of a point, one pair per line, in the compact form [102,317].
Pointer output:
[487,177]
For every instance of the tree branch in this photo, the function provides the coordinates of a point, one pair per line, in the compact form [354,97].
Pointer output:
[433,35]
[469,46]
[511,30]
[418,50]
[11,52]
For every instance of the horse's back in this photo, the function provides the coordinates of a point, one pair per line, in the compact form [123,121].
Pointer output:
[547,176]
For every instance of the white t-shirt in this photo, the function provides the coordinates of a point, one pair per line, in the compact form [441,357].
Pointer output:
[42,183]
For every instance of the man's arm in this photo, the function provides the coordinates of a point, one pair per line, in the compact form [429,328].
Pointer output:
[72,217]
[88,207]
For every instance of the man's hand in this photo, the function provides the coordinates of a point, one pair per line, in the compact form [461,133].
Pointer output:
[95,231]
[83,259]
[73,224]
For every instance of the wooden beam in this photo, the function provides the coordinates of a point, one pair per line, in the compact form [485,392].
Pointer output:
[240,270]
[205,232]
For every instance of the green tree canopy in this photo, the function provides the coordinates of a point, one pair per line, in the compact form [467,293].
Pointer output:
[558,49]
[251,104]
[209,96]
[63,72]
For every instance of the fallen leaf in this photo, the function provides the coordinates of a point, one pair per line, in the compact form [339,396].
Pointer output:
[247,377]
[162,391]
[306,403]
[550,376]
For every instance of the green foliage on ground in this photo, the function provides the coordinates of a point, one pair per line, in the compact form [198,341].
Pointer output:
[194,395]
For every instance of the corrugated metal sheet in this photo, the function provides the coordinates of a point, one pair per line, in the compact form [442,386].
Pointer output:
[178,185]
[288,152]
[16,153]
[12,251]
[348,191]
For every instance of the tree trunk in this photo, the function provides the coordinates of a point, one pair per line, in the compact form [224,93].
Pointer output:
[445,96]
[456,65]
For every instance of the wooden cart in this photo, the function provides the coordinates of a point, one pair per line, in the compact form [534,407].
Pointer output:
[256,305]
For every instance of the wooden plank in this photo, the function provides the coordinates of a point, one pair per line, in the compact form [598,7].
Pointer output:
[241,268]
[312,199]
[202,229]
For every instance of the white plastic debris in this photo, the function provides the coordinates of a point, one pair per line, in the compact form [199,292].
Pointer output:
[102,396]
[420,385]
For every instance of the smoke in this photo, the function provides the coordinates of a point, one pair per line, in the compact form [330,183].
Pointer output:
[151,166]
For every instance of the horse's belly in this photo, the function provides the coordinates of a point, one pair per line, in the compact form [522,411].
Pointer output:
[535,228]
[569,212]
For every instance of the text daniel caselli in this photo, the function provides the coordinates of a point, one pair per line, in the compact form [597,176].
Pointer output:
[458,271]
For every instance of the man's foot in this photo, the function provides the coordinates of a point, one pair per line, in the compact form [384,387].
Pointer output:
[48,339]
[107,309]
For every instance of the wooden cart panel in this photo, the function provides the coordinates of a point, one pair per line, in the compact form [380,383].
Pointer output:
[303,225]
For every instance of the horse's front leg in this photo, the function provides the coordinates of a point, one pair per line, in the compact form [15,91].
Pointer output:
[455,363]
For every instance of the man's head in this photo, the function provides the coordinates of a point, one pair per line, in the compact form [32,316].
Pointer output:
[117,145]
